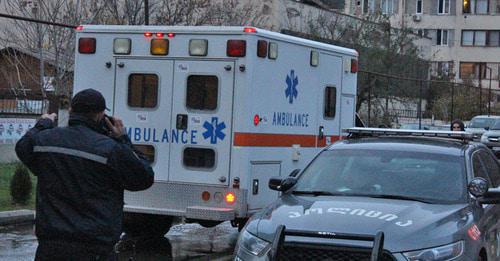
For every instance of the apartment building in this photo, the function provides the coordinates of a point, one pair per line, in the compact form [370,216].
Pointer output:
[465,34]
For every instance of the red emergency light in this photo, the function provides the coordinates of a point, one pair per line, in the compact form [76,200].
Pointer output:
[159,35]
[236,48]
[262,48]
[79,28]
[249,30]
[354,66]
[148,34]
[86,45]
[170,35]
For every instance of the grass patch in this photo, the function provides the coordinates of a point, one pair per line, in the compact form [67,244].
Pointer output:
[6,173]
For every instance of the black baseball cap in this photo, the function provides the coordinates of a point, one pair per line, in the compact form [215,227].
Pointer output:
[88,100]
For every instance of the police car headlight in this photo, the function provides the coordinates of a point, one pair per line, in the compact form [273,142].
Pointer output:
[484,138]
[253,244]
[441,253]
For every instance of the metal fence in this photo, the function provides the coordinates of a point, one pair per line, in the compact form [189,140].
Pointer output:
[28,105]
[392,100]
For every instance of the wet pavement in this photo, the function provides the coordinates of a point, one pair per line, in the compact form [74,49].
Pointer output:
[182,242]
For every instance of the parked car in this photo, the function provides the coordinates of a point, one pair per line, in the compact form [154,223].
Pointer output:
[491,137]
[479,124]
[387,194]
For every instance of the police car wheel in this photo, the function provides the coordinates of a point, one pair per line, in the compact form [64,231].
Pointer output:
[146,225]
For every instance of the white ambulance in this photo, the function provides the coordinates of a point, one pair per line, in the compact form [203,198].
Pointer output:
[219,110]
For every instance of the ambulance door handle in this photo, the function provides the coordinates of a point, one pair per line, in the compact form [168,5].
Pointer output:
[181,122]
[121,65]
[321,133]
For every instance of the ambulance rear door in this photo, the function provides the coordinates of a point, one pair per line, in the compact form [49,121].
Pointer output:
[202,117]
[143,99]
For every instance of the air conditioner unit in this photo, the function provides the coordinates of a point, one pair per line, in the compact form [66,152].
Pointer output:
[417,18]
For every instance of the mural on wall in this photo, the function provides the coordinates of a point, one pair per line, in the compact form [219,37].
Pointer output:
[12,129]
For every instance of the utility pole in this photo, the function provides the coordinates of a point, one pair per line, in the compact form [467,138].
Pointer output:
[489,93]
[36,11]
[146,12]
[480,89]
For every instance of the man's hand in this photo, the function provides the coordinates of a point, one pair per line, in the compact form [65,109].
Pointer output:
[117,129]
[51,116]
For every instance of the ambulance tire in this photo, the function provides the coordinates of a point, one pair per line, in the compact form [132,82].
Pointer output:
[209,223]
[139,225]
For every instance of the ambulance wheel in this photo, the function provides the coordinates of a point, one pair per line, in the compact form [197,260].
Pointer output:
[146,225]
[208,223]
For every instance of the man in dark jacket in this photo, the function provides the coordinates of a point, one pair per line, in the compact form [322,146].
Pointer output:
[82,171]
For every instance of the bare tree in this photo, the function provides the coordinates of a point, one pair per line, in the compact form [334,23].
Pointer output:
[53,46]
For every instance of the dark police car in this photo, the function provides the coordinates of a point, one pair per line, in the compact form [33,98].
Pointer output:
[384,194]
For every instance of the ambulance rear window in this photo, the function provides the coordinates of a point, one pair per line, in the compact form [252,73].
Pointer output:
[202,92]
[143,90]
[330,102]
[199,158]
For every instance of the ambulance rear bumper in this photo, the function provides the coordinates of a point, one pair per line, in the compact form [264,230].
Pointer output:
[184,200]
[194,212]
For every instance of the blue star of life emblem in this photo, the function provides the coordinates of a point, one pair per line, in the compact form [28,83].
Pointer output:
[214,130]
[291,90]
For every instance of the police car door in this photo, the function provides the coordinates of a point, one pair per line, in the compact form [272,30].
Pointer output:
[202,116]
[143,97]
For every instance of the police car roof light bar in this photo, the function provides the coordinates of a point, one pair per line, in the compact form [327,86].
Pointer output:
[374,132]
[281,232]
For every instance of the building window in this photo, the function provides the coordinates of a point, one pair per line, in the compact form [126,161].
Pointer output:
[480,38]
[444,6]
[441,37]
[476,6]
[419,7]
[441,69]
[493,38]
[368,6]
[202,92]
[471,70]
[143,90]
[498,6]
[330,102]
[387,7]
[466,6]
[481,6]
[199,158]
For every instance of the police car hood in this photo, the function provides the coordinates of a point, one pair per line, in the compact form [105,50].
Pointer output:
[407,225]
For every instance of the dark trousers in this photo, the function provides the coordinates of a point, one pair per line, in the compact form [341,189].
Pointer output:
[51,251]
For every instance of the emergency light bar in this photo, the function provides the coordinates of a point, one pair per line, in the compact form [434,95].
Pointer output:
[373,132]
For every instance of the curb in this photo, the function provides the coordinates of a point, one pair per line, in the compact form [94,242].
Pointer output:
[16,217]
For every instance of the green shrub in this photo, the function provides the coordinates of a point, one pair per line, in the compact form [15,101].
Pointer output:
[20,185]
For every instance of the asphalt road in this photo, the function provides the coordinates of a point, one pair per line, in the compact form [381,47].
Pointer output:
[182,242]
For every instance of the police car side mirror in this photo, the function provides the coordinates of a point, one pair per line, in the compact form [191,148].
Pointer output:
[280,184]
[478,187]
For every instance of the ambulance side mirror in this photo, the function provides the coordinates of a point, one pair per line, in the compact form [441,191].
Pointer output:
[282,184]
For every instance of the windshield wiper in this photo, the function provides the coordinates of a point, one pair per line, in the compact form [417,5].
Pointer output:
[315,193]
[398,197]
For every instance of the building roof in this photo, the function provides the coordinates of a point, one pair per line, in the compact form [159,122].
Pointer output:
[49,57]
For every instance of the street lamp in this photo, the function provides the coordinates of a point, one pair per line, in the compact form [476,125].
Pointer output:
[489,93]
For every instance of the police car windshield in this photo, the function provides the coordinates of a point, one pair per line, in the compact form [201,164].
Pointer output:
[429,177]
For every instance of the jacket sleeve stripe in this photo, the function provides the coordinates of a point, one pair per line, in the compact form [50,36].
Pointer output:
[71,152]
